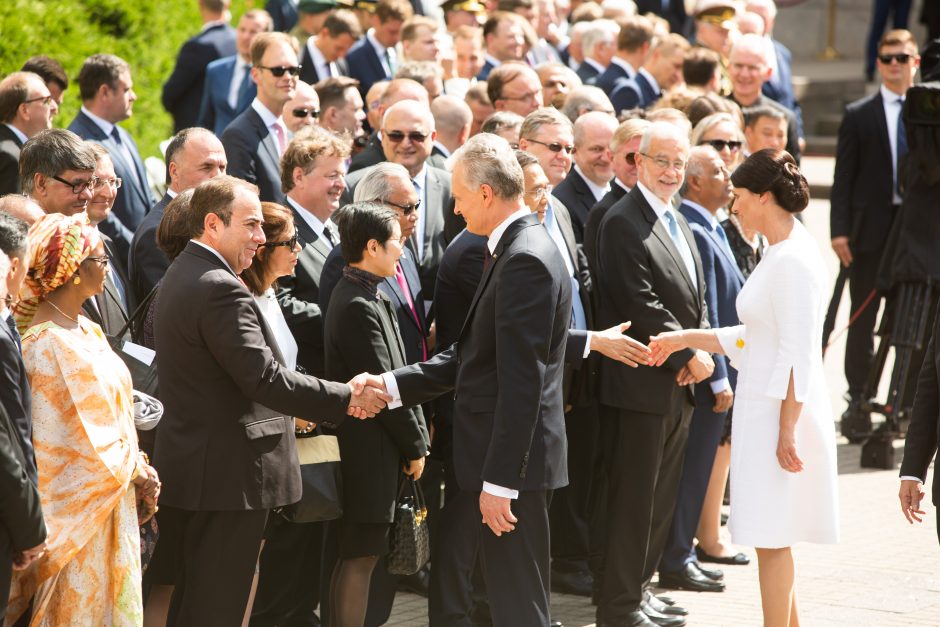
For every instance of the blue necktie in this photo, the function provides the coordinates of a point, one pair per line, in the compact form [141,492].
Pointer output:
[14,333]
[681,245]
[901,146]
[724,239]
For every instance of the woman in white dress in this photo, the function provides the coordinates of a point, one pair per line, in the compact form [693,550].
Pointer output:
[783,462]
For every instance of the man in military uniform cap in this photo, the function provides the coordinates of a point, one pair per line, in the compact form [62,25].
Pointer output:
[310,17]
[714,25]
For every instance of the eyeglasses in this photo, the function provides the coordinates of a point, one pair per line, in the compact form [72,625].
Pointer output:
[721,144]
[900,57]
[302,113]
[630,158]
[46,100]
[664,163]
[114,183]
[80,186]
[101,261]
[554,146]
[278,72]
[396,137]
[290,243]
[540,193]
[532,95]
[406,209]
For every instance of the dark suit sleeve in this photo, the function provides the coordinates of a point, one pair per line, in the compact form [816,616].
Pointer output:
[364,349]
[329,277]
[425,381]
[206,117]
[625,97]
[624,263]
[150,262]
[920,446]
[20,511]
[304,318]
[241,156]
[843,181]
[189,65]
[574,347]
[11,396]
[120,235]
[9,174]
[524,324]
[707,254]
[233,335]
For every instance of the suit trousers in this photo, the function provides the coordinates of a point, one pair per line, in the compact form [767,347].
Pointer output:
[6,574]
[570,514]
[289,574]
[515,564]
[646,456]
[860,342]
[705,434]
[219,553]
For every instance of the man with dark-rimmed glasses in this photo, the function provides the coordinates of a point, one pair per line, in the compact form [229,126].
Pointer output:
[26,107]
[57,170]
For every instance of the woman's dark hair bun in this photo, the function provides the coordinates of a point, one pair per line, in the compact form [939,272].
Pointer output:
[774,171]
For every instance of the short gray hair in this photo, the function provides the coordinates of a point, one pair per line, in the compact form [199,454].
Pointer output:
[376,185]
[52,152]
[698,157]
[488,159]
[598,32]
[662,130]
[583,99]
[546,116]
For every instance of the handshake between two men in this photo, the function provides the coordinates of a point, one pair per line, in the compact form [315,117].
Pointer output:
[369,395]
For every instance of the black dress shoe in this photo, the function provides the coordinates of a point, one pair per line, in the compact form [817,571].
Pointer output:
[690,578]
[664,620]
[556,623]
[712,573]
[665,599]
[417,583]
[580,583]
[663,608]
[734,560]
[636,618]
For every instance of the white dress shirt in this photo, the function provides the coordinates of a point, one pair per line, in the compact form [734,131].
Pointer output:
[325,69]
[274,317]
[242,68]
[270,121]
[622,185]
[20,135]
[596,189]
[313,222]
[594,64]
[660,208]
[420,181]
[892,111]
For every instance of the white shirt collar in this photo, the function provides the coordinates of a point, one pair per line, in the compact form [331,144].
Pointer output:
[171,193]
[625,65]
[103,124]
[212,24]
[492,60]
[379,48]
[269,118]
[623,185]
[497,233]
[312,220]
[596,189]
[594,64]
[319,61]
[650,79]
[216,253]
[659,207]
[421,178]
[889,97]
[442,148]
[4,313]
[705,213]
[19,134]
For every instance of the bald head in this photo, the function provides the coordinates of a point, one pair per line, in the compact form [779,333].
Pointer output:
[408,134]
[297,111]
[21,207]
[22,103]
[404,89]
[593,133]
[193,156]
[452,119]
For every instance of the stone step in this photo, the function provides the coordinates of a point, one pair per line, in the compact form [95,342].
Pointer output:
[821,145]
[818,171]
[828,124]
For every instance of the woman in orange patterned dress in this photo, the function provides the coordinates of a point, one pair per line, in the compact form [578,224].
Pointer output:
[93,482]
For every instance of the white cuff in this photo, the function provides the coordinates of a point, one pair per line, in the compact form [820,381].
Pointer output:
[909,478]
[500,491]
[720,385]
[391,386]
[587,345]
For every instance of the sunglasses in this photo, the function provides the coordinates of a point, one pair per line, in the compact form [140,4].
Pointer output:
[290,243]
[278,72]
[406,209]
[302,113]
[396,137]
[554,146]
[630,158]
[721,144]
[900,57]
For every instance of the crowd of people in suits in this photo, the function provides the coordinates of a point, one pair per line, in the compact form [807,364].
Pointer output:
[494,222]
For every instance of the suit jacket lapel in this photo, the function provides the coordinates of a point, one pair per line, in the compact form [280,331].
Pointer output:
[881,124]
[662,234]
[699,287]
[434,213]
[267,142]
[563,219]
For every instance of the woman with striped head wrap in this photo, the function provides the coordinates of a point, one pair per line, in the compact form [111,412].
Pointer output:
[94,484]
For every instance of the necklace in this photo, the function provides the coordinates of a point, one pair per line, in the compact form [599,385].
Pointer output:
[75,320]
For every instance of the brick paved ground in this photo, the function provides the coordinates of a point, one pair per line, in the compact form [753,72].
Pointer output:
[883,573]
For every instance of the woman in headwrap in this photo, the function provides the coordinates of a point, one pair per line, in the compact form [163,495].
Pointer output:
[93,482]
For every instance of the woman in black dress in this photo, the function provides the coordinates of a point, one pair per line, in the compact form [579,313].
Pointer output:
[361,335]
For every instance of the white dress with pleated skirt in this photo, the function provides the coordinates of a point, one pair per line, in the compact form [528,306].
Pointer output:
[782,307]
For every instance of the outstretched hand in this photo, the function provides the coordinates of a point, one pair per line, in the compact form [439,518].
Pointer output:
[369,396]
[665,344]
[612,343]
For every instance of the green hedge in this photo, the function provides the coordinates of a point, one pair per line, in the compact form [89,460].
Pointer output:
[147,34]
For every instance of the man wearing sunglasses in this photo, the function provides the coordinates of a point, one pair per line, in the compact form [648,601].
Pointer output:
[256,139]
[302,110]
[749,70]
[865,200]
[26,107]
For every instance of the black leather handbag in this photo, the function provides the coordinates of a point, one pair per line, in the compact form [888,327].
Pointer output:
[322,480]
[410,538]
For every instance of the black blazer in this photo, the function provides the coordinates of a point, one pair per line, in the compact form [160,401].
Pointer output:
[109,311]
[10,146]
[363,64]
[636,93]
[252,155]
[920,446]
[587,73]
[226,441]
[299,297]
[182,92]
[308,69]
[16,397]
[413,333]
[641,278]
[21,522]
[146,263]
[362,336]
[283,13]
[578,198]
[610,78]
[679,20]
[369,156]
[862,185]
[595,216]
[507,368]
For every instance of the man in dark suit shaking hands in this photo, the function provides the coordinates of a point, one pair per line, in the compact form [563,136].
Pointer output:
[506,370]
[226,441]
